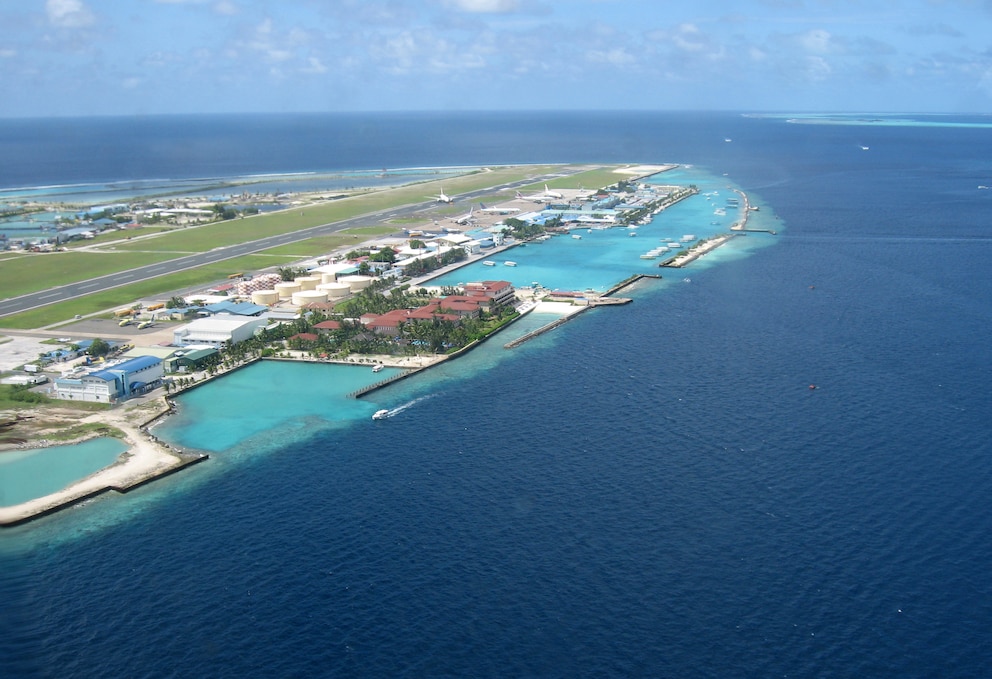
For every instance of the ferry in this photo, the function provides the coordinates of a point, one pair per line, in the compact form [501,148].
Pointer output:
[508,263]
[489,263]
[380,414]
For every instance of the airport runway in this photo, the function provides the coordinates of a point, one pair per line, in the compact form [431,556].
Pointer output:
[93,285]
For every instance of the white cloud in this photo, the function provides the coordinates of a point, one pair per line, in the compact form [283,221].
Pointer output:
[68,13]
[817,69]
[6,53]
[314,65]
[484,6]
[816,40]
[689,38]
[617,56]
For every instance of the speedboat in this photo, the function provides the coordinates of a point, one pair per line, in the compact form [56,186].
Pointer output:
[380,414]
[489,263]
[378,367]
[510,263]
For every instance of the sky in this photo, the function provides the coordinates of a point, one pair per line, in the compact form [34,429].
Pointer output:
[126,57]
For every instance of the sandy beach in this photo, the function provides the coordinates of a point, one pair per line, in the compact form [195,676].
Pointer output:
[144,459]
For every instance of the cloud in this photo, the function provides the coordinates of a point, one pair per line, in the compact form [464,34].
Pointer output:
[617,56]
[689,38]
[816,40]
[314,65]
[69,13]
[6,53]
[484,6]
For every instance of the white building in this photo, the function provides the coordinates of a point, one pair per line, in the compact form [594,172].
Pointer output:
[113,383]
[217,331]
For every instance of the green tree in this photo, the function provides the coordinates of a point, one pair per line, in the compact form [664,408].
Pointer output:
[99,347]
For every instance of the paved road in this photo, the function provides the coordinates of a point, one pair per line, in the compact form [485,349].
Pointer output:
[114,280]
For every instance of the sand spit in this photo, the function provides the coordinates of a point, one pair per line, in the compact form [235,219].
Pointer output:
[144,461]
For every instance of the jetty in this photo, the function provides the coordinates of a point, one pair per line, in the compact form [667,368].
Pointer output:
[696,251]
[741,226]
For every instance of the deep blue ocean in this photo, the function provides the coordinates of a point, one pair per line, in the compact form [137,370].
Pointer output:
[648,491]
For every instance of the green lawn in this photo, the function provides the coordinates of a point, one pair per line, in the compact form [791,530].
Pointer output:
[32,272]
[152,288]
[38,271]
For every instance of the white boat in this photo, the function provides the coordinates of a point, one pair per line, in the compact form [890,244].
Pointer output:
[674,245]
[380,414]
[688,237]
[508,263]
[378,367]
[576,236]
[489,263]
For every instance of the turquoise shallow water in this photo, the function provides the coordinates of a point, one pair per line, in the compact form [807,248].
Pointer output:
[270,403]
[28,474]
[603,257]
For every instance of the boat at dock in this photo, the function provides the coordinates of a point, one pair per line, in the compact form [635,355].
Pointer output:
[380,414]
[378,367]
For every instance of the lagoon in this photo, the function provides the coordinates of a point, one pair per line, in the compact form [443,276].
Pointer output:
[601,258]
[29,474]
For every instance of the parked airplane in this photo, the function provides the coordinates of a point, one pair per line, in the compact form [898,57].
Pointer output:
[466,218]
[533,199]
[544,197]
[497,210]
[442,197]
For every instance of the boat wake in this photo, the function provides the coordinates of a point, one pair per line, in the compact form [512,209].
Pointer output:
[399,409]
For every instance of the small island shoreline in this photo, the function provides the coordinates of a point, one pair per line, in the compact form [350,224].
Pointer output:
[148,458]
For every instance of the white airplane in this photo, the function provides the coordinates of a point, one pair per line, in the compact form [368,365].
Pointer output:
[497,210]
[442,197]
[544,197]
[466,218]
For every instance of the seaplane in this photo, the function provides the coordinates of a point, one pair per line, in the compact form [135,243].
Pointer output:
[442,197]
[497,210]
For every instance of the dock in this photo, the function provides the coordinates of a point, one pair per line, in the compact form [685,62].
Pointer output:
[696,251]
[741,226]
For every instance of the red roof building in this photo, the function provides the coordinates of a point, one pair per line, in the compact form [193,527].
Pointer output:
[500,292]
